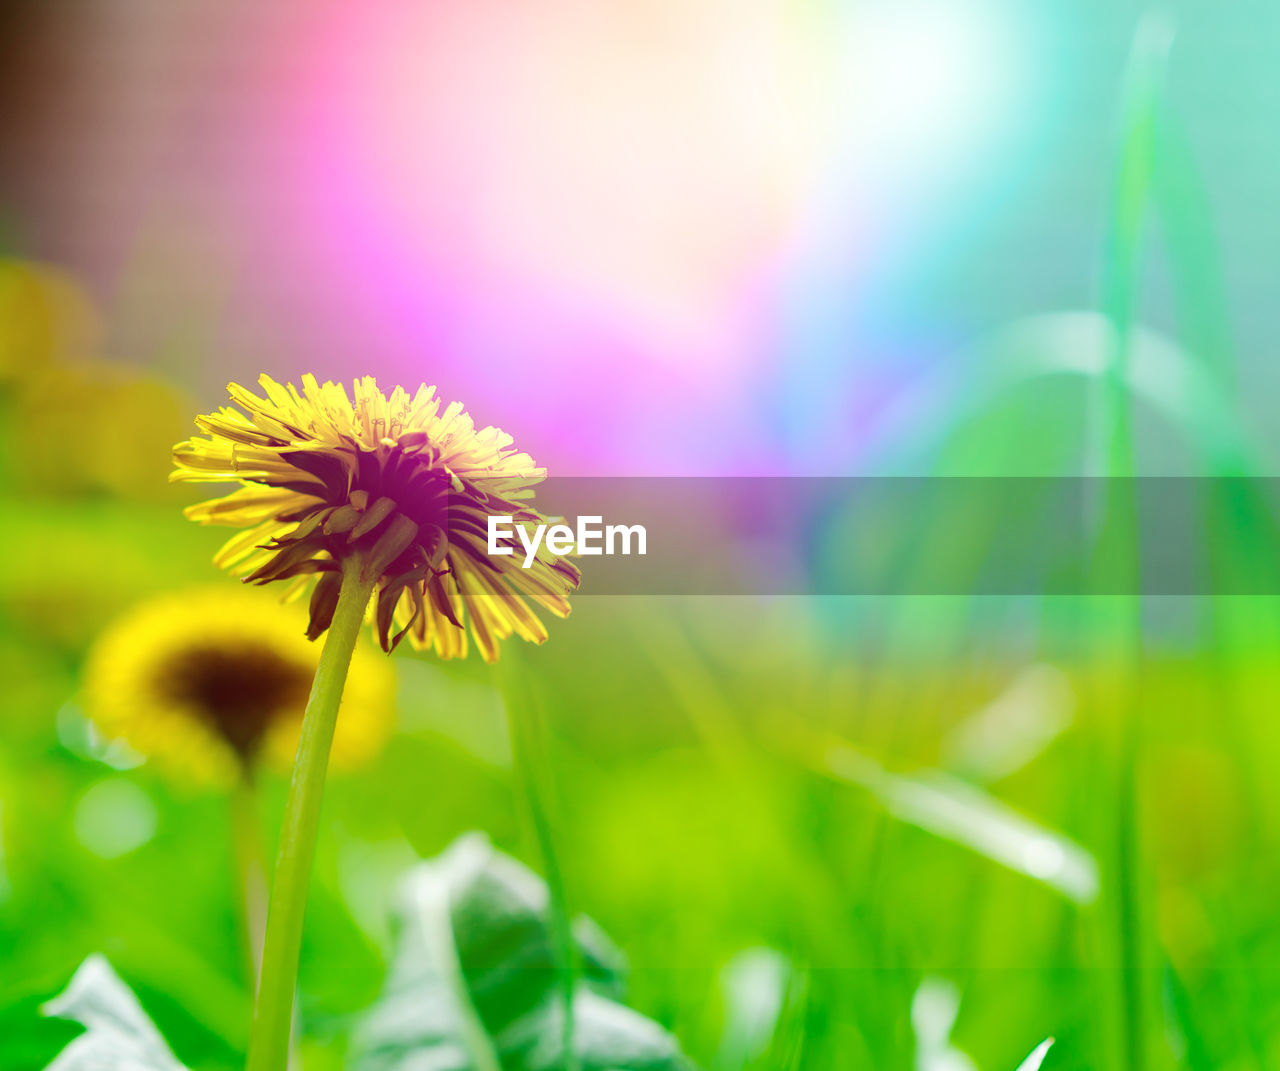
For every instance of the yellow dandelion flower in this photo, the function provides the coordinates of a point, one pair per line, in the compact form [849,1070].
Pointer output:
[211,683]
[398,480]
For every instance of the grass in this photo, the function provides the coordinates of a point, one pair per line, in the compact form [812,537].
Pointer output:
[690,850]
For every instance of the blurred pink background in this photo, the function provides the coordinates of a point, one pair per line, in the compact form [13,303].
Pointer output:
[647,238]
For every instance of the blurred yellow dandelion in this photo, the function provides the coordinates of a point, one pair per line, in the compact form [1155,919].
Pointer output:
[396,479]
[212,683]
[45,317]
[130,417]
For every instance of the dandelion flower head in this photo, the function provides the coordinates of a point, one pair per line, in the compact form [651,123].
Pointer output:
[398,480]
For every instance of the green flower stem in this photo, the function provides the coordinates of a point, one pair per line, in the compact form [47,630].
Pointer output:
[273,1010]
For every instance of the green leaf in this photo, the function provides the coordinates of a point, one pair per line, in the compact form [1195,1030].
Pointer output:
[118,1034]
[473,986]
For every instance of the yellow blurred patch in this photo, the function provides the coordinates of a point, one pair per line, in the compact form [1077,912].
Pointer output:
[45,317]
[96,427]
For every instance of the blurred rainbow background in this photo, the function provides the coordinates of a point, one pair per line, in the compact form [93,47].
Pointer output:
[679,238]
[673,238]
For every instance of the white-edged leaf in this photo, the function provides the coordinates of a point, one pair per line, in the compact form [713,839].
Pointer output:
[754,987]
[1033,1062]
[951,808]
[118,1035]
[1015,727]
[1160,373]
[474,986]
[933,1015]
